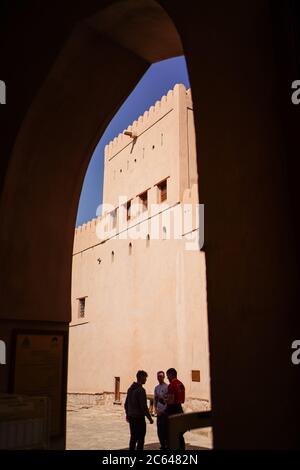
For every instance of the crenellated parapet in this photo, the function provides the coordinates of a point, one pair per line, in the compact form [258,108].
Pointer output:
[176,99]
[150,116]
[85,235]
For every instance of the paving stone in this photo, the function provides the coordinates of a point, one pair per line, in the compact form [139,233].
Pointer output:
[104,427]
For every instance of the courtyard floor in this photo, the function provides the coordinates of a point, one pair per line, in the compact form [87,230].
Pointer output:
[104,427]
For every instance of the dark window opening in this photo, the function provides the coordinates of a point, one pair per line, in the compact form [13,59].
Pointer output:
[162,188]
[117,390]
[81,307]
[195,375]
[144,200]
[113,215]
[128,210]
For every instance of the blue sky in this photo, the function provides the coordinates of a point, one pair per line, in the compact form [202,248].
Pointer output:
[156,82]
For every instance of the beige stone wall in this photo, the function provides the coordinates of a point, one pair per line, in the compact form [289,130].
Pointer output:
[146,305]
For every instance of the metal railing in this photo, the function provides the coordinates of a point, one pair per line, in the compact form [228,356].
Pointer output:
[24,422]
[180,423]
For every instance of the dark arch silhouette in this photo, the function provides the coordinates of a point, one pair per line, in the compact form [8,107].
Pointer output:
[67,71]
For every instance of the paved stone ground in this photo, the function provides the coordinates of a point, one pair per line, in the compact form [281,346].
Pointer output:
[104,427]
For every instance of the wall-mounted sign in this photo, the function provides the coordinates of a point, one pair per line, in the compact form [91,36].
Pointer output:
[38,370]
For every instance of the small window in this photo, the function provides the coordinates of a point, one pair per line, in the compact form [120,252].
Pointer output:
[112,256]
[81,307]
[195,375]
[113,216]
[143,198]
[130,248]
[128,210]
[148,240]
[162,188]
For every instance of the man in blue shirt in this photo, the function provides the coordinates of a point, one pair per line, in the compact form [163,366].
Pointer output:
[160,405]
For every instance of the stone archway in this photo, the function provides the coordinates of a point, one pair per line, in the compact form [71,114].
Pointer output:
[58,135]
[252,274]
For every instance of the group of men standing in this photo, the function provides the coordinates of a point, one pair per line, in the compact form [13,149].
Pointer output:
[168,400]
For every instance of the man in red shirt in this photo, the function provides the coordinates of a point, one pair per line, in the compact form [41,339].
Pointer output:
[176,396]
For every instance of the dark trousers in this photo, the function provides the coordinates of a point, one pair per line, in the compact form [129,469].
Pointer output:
[137,433]
[162,430]
[174,410]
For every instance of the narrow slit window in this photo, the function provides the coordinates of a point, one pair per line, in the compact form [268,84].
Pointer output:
[113,216]
[81,307]
[128,210]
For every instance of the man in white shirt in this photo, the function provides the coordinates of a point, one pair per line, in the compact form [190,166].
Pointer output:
[160,405]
